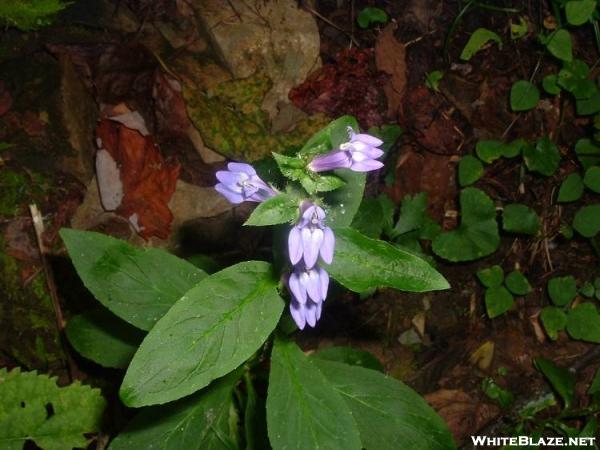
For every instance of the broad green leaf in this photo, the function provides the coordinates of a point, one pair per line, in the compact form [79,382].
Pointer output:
[561,379]
[587,290]
[137,284]
[591,179]
[102,337]
[588,106]
[470,170]
[25,401]
[361,263]
[291,167]
[369,218]
[330,137]
[513,148]
[210,331]
[491,276]
[489,151]
[389,415]
[562,290]
[198,422]
[412,213]
[477,40]
[587,220]
[544,158]
[579,11]
[304,411]
[550,84]
[554,320]
[350,356]
[283,208]
[588,153]
[503,397]
[497,301]
[572,74]
[559,44]
[346,200]
[524,96]
[477,236]
[371,15]
[517,283]
[571,189]
[583,322]
[518,218]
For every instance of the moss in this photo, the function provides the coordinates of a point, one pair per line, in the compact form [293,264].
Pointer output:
[18,189]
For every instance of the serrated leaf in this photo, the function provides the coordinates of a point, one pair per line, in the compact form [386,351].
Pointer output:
[477,40]
[561,379]
[491,276]
[559,44]
[562,290]
[518,218]
[571,189]
[554,320]
[303,409]
[517,283]
[583,322]
[361,263]
[544,158]
[579,12]
[524,96]
[24,398]
[587,221]
[210,331]
[497,301]
[470,170]
[388,413]
[291,167]
[591,179]
[137,284]
[283,208]
[477,236]
[198,422]
[102,337]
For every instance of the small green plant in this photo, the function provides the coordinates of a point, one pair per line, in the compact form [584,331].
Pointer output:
[370,15]
[478,39]
[499,290]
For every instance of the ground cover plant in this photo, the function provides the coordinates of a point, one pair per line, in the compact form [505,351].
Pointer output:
[302,225]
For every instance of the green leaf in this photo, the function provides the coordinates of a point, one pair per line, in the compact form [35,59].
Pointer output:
[477,236]
[524,96]
[591,179]
[571,189]
[579,11]
[388,413]
[583,322]
[491,276]
[588,106]
[561,379]
[550,84]
[497,301]
[559,44]
[303,409]
[554,320]
[489,151]
[517,283]
[369,218]
[587,220]
[518,218]
[370,15]
[562,290]
[477,40]
[102,337]
[470,170]
[291,167]
[29,15]
[588,153]
[412,213]
[198,422]
[544,158]
[344,202]
[210,331]
[255,416]
[587,290]
[432,80]
[283,208]
[329,137]
[518,30]
[503,397]
[25,401]
[351,356]
[137,284]
[360,263]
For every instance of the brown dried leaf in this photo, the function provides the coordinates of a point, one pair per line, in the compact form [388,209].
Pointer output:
[390,57]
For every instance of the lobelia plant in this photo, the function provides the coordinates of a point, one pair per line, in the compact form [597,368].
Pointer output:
[200,362]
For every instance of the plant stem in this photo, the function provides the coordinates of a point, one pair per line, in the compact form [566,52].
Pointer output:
[497,8]
[452,29]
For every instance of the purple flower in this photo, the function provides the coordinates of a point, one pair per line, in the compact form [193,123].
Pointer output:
[240,183]
[309,291]
[359,154]
[311,238]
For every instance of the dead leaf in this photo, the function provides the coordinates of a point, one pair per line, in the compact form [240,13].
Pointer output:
[390,57]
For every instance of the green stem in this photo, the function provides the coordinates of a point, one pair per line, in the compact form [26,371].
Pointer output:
[497,8]
[452,29]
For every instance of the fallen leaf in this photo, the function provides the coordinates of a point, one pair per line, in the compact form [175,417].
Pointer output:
[390,57]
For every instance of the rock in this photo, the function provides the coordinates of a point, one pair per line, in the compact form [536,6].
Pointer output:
[277,38]
[190,202]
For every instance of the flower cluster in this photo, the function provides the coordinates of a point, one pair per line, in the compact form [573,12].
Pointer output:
[310,241]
